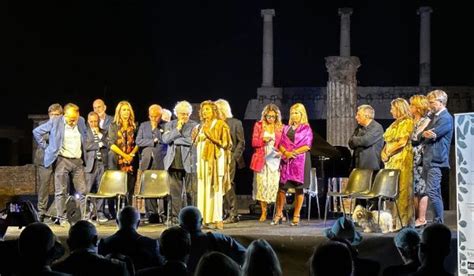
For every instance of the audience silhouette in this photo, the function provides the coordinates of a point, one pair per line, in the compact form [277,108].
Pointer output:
[38,248]
[407,242]
[261,260]
[83,258]
[143,251]
[175,245]
[434,248]
[191,220]
[331,258]
[216,263]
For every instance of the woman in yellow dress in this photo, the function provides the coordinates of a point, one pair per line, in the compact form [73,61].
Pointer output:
[398,154]
[213,144]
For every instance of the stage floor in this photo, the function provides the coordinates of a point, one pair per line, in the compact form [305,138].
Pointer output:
[293,245]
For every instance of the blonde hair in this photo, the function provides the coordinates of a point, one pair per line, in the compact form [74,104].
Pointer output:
[118,120]
[402,108]
[439,95]
[224,109]
[274,108]
[302,110]
[421,103]
[215,110]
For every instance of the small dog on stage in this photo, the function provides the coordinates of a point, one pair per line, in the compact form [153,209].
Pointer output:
[368,220]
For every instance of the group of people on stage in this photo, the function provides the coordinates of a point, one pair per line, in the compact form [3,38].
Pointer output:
[202,158]
[417,143]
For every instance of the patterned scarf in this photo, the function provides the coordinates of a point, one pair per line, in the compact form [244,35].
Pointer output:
[126,142]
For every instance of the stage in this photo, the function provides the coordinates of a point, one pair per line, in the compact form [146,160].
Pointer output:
[293,245]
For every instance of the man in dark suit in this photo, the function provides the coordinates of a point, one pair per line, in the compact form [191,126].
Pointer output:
[238,146]
[45,174]
[143,251]
[65,150]
[367,140]
[104,119]
[83,259]
[437,141]
[96,159]
[180,159]
[152,148]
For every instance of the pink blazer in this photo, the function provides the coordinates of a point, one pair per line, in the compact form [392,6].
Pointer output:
[258,157]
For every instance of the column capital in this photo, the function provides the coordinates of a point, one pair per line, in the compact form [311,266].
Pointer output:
[342,69]
[345,11]
[424,9]
[267,13]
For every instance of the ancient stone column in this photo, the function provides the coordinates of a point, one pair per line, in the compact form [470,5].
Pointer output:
[267,93]
[267,57]
[345,42]
[341,99]
[425,50]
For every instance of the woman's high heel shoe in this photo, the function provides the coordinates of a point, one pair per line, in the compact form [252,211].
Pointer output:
[276,220]
[296,221]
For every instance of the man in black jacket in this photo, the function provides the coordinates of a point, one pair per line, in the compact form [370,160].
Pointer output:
[143,251]
[237,161]
[367,140]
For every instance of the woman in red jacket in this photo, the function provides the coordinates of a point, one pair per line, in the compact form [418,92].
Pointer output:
[266,157]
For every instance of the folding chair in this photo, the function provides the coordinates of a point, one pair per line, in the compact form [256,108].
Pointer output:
[359,183]
[313,192]
[154,184]
[113,184]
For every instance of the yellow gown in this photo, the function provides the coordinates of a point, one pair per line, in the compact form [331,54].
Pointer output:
[402,160]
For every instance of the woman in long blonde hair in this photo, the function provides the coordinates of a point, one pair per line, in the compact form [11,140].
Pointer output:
[398,154]
[265,162]
[121,138]
[295,167]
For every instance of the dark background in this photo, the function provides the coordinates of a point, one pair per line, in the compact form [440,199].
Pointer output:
[164,51]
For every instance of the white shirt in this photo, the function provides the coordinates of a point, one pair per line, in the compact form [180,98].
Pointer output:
[71,147]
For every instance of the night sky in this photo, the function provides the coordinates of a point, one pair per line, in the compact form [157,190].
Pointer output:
[163,51]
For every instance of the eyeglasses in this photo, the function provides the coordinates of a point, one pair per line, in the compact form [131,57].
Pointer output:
[270,116]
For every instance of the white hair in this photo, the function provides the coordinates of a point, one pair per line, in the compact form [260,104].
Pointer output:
[224,107]
[183,105]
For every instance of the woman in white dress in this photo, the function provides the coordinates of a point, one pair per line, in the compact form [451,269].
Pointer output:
[265,162]
[213,143]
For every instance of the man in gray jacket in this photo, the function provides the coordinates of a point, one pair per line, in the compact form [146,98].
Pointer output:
[367,140]
[180,159]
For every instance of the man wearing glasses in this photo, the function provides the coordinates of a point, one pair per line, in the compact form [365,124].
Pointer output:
[437,141]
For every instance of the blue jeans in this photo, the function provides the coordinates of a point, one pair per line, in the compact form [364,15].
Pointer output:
[432,176]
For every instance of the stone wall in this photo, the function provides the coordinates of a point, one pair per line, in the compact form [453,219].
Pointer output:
[460,99]
[17,181]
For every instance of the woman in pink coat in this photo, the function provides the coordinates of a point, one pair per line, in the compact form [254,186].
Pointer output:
[266,157]
[295,166]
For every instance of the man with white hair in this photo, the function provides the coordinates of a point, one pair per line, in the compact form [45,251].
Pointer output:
[238,146]
[152,153]
[180,159]
[166,116]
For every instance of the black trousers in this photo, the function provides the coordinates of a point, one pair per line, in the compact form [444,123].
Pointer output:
[182,189]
